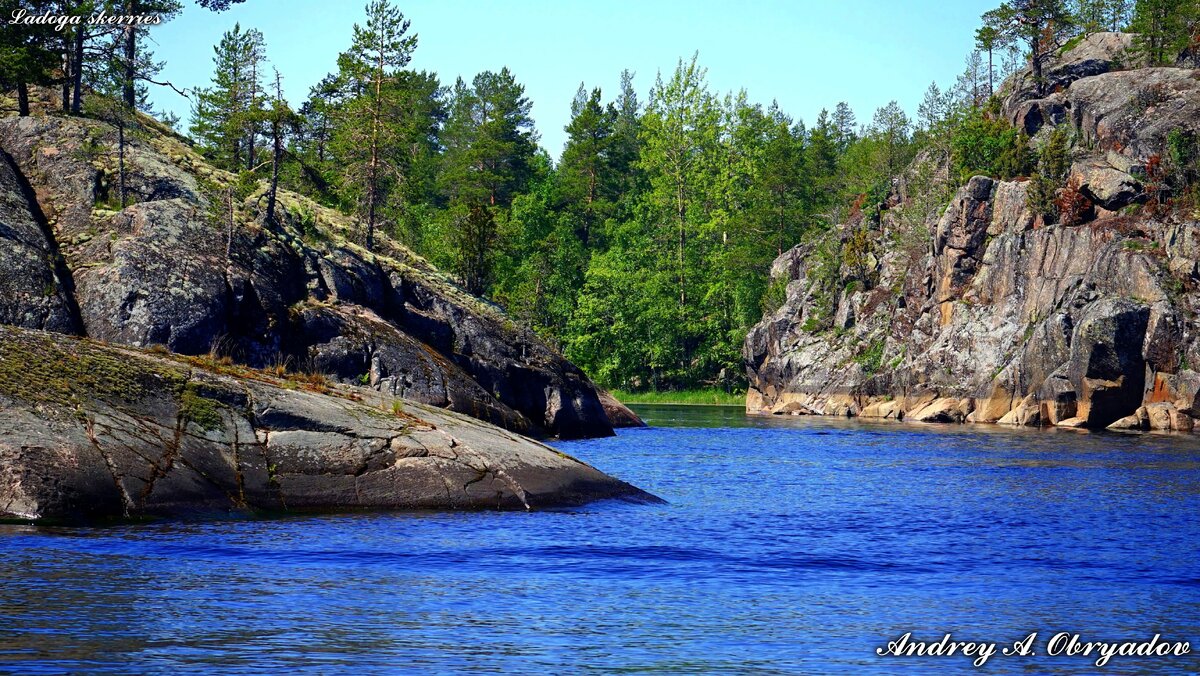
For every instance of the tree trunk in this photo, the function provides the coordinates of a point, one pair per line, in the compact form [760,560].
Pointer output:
[682,212]
[250,108]
[23,99]
[277,137]
[277,123]
[121,157]
[991,72]
[77,72]
[373,167]
[228,235]
[1035,60]
[589,216]
[129,91]
[66,83]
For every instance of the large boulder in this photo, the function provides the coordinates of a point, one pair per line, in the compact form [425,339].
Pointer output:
[35,286]
[1105,185]
[94,431]
[619,414]
[1132,112]
[189,264]
[1032,104]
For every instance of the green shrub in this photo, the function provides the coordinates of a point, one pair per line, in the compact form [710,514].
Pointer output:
[1053,165]
[775,296]
[871,359]
[983,143]
[1183,159]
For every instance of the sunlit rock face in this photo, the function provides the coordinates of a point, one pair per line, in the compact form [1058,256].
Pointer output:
[994,314]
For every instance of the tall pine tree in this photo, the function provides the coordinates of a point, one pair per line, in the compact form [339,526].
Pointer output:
[366,140]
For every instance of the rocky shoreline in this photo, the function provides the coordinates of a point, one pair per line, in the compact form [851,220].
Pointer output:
[191,264]
[91,431]
[167,350]
[985,311]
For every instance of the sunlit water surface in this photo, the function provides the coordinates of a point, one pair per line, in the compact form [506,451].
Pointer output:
[795,545]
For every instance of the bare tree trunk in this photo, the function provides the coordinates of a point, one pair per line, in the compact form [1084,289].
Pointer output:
[129,91]
[121,156]
[1035,60]
[66,83]
[250,108]
[23,99]
[682,213]
[991,71]
[277,137]
[373,167]
[589,214]
[77,72]
[228,234]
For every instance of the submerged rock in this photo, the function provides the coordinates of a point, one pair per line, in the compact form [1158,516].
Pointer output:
[95,431]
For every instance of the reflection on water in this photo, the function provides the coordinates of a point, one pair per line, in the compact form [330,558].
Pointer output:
[795,544]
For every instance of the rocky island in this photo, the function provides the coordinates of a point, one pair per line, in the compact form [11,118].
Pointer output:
[101,418]
[986,310]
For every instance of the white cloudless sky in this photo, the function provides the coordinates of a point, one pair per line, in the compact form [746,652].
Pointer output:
[807,55]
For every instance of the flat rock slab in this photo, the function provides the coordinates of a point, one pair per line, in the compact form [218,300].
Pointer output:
[90,431]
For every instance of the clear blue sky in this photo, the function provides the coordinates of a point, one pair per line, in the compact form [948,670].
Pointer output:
[807,55]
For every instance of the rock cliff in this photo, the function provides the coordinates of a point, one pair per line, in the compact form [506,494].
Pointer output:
[985,311]
[191,264]
[90,431]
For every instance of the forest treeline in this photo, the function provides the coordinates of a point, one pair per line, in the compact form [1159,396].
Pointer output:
[643,251]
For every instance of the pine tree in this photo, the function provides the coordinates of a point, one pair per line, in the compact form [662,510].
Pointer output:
[136,62]
[844,122]
[281,122]
[1165,28]
[1040,24]
[585,166]
[225,116]
[971,85]
[320,113]
[490,140]
[625,147]
[935,108]
[894,130]
[783,178]
[75,38]
[822,154]
[1102,15]
[366,142]
[27,54]
[987,39]
[490,145]
[254,53]
[417,120]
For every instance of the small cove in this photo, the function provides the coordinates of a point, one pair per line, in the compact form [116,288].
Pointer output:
[787,545]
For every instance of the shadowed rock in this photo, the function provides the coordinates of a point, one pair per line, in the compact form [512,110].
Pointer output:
[93,431]
[188,265]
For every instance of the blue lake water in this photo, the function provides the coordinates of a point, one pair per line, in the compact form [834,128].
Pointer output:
[787,546]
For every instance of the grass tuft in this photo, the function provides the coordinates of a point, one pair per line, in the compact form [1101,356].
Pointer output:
[701,397]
